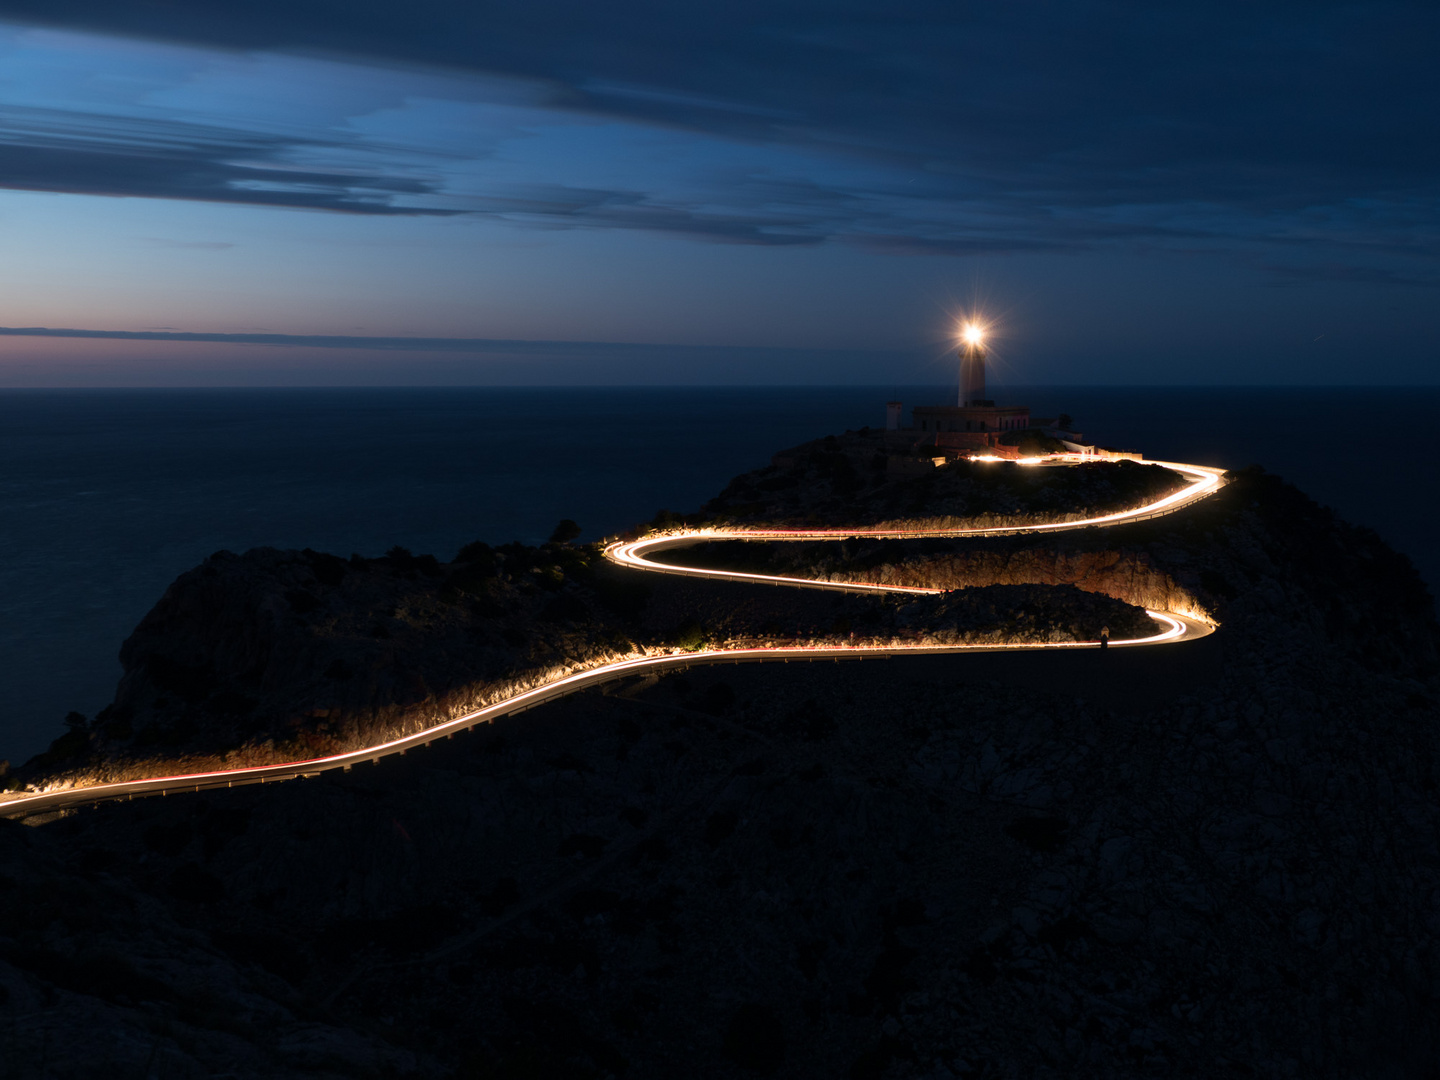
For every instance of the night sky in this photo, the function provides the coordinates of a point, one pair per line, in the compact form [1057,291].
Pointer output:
[793,191]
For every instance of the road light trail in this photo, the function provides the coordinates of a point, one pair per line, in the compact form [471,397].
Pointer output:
[635,553]
[1176,627]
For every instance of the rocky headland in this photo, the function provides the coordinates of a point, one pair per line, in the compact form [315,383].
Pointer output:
[277,656]
[871,478]
[1211,859]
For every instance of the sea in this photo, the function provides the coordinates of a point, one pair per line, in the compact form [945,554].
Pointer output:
[107,495]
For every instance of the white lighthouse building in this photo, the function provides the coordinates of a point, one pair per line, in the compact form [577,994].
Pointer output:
[975,414]
[972,371]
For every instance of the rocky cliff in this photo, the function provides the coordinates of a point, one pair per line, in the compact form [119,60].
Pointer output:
[284,655]
[1212,859]
[1258,545]
[851,479]
[277,655]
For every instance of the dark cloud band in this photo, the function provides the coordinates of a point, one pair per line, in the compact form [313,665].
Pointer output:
[1040,125]
[86,154]
[322,341]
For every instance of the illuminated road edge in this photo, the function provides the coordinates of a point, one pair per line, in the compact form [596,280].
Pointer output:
[1203,481]
[1177,627]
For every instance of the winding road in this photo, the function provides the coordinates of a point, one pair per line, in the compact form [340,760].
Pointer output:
[637,554]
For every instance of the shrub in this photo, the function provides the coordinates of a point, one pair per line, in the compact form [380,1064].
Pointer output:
[691,637]
[1032,442]
[71,745]
[478,553]
[564,532]
[472,579]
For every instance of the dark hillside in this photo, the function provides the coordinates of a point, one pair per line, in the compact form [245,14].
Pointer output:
[1257,544]
[860,478]
[1211,859]
[286,655]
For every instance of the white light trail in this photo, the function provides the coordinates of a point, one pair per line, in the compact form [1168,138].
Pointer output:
[1178,627]
[1203,481]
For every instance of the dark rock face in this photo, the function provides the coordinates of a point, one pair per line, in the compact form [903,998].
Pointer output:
[847,480]
[1257,550]
[285,654]
[1211,859]
[1124,572]
[726,612]
[1024,614]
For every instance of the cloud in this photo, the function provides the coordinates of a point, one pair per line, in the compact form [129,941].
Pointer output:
[299,359]
[976,245]
[313,341]
[93,154]
[1350,274]
[159,157]
[917,128]
[387,344]
[681,102]
[190,245]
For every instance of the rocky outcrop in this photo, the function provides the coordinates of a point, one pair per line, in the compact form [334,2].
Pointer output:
[847,480]
[1023,614]
[1128,576]
[104,975]
[285,655]
[1213,859]
[728,614]
[1256,545]
[277,655]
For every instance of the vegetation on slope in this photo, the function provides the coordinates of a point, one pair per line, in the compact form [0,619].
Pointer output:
[854,479]
[287,655]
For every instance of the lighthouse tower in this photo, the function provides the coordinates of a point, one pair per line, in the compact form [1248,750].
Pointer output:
[976,423]
[972,368]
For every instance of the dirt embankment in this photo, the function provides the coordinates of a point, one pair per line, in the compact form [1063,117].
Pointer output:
[1127,576]
[724,614]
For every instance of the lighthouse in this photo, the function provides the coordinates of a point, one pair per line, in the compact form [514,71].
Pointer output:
[972,367]
[975,422]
